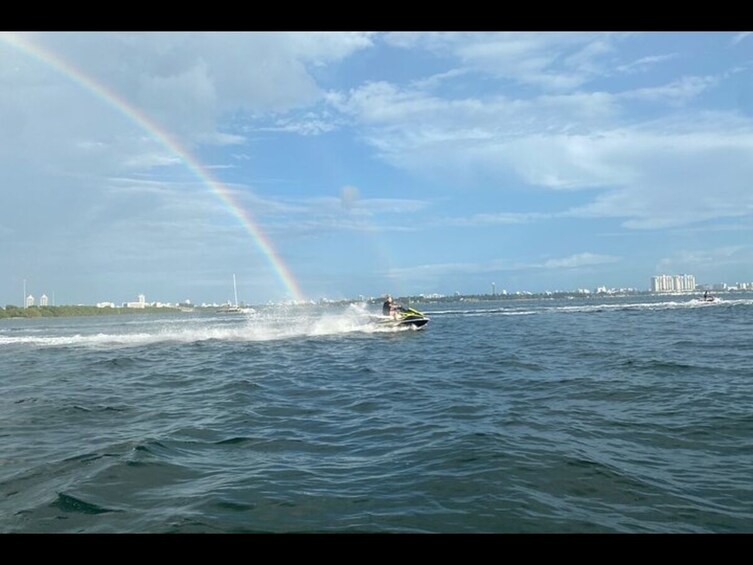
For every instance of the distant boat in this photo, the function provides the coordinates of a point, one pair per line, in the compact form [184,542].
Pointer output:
[234,308]
[707,298]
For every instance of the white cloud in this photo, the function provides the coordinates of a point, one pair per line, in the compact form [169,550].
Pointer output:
[436,270]
[418,131]
[438,79]
[588,60]
[219,138]
[526,58]
[150,160]
[575,261]
[689,167]
[645,63]
[310,123]
[551,61]
[677,92]
[362,206]
[218,167]
[677,177]
[434,41]
[320,216]
[707,260]
[487,219]
[738,227]
[183,82]
[72,112]
[122,198]
[324,226]
[578,260]
[319,47]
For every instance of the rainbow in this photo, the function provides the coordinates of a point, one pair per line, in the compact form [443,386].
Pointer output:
[114,100]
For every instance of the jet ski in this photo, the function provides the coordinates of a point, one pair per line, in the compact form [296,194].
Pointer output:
[405,317]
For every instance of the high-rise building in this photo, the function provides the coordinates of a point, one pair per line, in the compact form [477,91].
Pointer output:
[673,283]
[29,301]
[43,300]
[140,304]
[687,283]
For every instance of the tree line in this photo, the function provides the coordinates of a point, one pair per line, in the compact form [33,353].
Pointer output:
[12,311]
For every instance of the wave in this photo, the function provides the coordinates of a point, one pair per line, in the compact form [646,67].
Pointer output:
[588,308]
[68,503]
[665,305]
[482,312]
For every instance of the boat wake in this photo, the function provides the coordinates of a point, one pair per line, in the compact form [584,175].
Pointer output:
[528,310]
[273,324]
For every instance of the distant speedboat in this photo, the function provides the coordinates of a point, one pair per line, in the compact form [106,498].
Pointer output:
[706,300]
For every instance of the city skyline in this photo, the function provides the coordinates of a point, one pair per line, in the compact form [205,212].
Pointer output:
[344,164]
[689,285]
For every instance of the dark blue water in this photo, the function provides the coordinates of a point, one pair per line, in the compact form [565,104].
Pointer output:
[587,415]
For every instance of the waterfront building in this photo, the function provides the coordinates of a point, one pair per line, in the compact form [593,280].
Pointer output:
[673,283]
[140,304]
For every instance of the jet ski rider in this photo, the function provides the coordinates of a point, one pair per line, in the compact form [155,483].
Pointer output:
[390,308]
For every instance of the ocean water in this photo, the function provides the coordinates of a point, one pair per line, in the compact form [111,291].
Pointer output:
[599,414]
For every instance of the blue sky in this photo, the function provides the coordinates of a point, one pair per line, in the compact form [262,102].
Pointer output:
[399,162]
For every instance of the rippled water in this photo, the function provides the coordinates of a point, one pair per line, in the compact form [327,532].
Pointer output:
[587,415]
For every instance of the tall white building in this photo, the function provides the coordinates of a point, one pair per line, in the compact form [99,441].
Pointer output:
[29,301]
[687,283]
[140,304]
[673,283]
[43,300]
[661,283]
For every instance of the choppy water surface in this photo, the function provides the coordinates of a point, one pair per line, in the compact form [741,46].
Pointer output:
[587,415]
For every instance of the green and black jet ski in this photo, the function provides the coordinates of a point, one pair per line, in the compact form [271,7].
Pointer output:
[405,317]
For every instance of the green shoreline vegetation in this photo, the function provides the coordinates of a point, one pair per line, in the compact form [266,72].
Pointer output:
[11,311]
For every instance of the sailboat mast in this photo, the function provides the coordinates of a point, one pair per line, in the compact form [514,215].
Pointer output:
[235,291]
